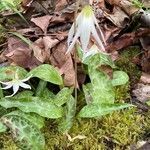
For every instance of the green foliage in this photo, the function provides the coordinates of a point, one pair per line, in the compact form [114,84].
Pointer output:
[95,110]
[43,107]
[35,119]
[67,121]
[13,6]
[63,96]
[47,73]
[119,78]
[3,128]
[137,3]
[101,89]
[7,73]
[26,135]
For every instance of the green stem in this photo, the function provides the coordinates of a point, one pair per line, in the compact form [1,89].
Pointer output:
[1,92]
[41,86]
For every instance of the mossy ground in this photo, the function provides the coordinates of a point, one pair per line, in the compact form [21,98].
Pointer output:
[116,131]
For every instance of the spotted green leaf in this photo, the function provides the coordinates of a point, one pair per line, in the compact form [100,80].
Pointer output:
[25,134]
[7,73]
[63,96]
[35,119]
[67,121]
[119,78]
[45,108]
[96,110]
[3,128]
[47,73]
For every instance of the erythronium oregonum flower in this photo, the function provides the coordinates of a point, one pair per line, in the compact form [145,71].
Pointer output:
[85,25]
[16,83]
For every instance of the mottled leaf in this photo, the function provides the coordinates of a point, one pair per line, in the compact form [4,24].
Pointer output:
[119,78]
[26,135]
[63,96]
[47,73]
[45,108]
[3,128]
[35,119]
[95,110]
[67,122]
[7,73]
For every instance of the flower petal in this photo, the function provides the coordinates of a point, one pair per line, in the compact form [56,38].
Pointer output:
[73,42]
[7,87]
[24,85]
[101,33]
[72,29]
[70,34]
[95,35]
[93,50]
[85,30]
[15,88]
[5,83]
[26,79]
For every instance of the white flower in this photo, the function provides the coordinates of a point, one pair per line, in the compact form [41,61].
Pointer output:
[16,83]
[85,25]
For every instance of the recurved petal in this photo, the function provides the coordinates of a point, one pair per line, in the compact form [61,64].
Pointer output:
[73,42]
[26,79]
[85,30]
[24,85]
[72,29]
[5,83]
[7,87]
[101,33]
[15,90]
[70,34]
[95,35]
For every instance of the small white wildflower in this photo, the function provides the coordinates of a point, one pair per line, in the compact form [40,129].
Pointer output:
[85,25]
[16,83]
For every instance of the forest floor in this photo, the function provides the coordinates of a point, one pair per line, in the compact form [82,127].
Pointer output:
[126,28]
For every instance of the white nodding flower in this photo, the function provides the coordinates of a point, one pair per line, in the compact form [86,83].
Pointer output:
[15,84]
[86,24]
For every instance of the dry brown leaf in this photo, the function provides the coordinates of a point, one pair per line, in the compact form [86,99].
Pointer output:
[127,39]
[38,49]
[117,17]
[142,92]
[49,42]
[42,22]
[64,62]
[145,78]
[19,53]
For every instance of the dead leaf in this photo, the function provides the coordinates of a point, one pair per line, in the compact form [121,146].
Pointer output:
[145,78]
[126,40]
[64,63]
[118,17]
[49,42]
[38,50]
[19,53]
[142,92]
[42,22]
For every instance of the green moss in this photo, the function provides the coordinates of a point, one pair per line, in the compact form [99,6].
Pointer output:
[122,93]
[117,130]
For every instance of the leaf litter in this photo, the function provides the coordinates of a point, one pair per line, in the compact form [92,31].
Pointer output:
[49,24]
